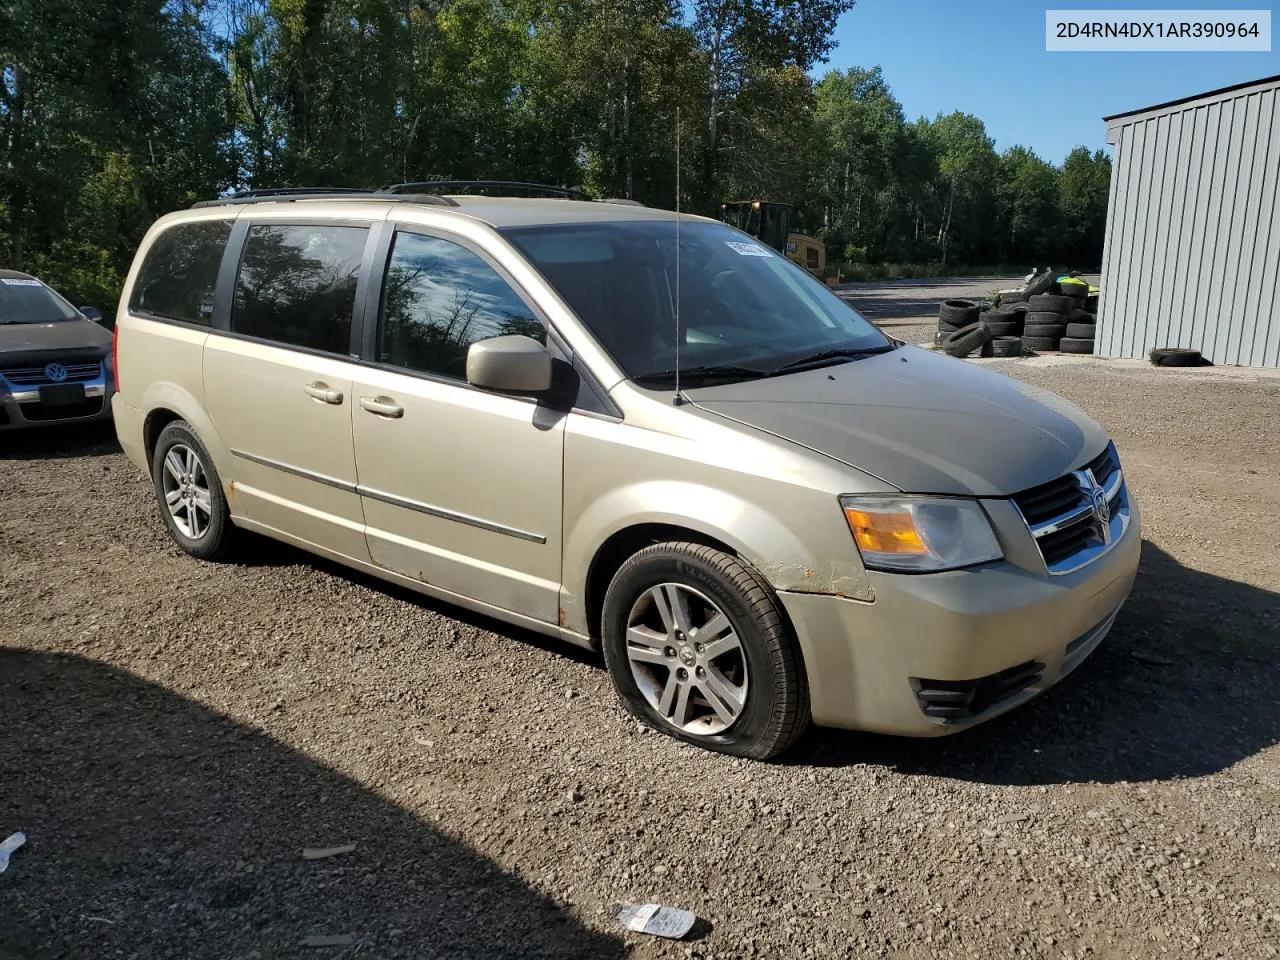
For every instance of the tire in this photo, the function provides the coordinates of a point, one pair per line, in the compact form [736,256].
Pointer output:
[959,313]
[1043,316]
[1038,284]
[1080,316]
[944,330]
[1176,357]
[1091,303]
[1049,303]
[1081,331]
[1005,347]
[1073,288]
[178,465]
[1072,345]
[1040,344]
[1052,330]
[963,342]
[775,709]
[1002,328]
[1016,296]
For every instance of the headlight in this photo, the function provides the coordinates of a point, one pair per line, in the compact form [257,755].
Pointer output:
[920,534]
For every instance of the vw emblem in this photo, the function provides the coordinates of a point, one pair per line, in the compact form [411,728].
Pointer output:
[55,372]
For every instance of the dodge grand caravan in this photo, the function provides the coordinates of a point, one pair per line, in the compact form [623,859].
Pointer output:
[763,509]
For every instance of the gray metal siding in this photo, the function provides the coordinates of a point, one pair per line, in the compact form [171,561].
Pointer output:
[1191,256]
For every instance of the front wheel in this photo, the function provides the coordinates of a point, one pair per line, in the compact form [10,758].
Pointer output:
[697,647]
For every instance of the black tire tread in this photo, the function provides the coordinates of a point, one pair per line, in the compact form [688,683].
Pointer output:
[1073,345]
[1081,331]
[1006,347]
[1040,344]
[1054,330]
[958,312]
[966,340]
[790,717]
[1050,303]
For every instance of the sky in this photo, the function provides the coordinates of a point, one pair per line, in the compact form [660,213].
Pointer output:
[988,58]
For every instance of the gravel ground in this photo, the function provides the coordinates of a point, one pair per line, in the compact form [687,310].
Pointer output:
[173,734]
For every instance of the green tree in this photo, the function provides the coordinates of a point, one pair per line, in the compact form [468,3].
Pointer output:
[1083,189]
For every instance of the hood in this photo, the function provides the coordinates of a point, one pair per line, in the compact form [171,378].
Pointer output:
[921,421]
[64,335]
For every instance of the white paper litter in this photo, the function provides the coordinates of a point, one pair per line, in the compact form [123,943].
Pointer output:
[655,919]
[7,848]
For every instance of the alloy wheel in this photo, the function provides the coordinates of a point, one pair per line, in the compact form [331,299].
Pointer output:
[186,491]
[687,659]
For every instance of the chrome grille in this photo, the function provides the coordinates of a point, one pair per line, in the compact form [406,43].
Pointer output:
[1066,518]
[29,376]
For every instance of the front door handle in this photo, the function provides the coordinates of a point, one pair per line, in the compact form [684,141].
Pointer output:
[382,406]
[323,392]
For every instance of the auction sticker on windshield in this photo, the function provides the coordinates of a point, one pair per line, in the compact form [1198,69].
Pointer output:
[747,249]
[19,282]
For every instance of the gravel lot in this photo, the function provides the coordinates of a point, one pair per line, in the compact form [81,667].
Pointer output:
[174,734]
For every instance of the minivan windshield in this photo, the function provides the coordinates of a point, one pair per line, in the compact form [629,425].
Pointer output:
[745,310]
[23,300]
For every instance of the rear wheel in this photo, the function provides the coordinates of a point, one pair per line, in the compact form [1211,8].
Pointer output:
[697,647]
[190,494]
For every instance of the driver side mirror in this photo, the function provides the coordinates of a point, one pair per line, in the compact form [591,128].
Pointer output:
[94,314]
[509,364]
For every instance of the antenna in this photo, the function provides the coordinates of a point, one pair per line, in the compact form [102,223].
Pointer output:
[677,400]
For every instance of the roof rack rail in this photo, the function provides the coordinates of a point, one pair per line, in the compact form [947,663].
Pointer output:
[287,194]
[466,186]
[625,201]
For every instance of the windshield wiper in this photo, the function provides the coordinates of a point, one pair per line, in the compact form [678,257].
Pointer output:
[704,372]
[821,358]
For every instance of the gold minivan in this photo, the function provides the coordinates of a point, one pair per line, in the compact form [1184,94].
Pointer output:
[641,433]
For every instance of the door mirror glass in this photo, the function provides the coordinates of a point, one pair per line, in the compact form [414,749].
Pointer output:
[509,364]
[92,313]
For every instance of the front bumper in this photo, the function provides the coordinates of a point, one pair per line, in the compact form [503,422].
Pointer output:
[869,663]
[21,406]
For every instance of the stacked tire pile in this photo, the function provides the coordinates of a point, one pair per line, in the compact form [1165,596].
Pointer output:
[1056,323]
[1045,315]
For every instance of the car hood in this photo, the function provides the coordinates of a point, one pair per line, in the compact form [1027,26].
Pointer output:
[64,335]
[923,422]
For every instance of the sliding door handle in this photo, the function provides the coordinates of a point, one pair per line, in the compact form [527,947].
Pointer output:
[323,392]
[382,406]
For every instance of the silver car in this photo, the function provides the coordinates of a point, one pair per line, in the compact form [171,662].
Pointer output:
[688,454]
[55,362]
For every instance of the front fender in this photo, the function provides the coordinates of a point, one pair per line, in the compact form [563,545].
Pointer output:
[827,565]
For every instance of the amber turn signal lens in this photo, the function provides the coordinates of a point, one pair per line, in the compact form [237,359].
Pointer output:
[892,533]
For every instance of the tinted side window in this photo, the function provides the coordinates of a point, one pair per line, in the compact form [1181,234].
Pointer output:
[176,280]
[297,285]
[437,300]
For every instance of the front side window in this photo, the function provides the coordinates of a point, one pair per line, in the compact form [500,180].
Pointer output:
[177,279]
[437,300]
[742,305]
[297,285]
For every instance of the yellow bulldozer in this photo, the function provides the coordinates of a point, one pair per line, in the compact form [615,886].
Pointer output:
[770,223]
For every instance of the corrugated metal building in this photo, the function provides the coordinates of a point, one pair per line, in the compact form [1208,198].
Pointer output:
[1192,250]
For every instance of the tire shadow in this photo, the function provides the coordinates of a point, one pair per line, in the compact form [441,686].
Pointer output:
[1184,686]
[157,827]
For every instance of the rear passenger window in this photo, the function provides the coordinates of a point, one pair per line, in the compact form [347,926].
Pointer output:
[437,300]
[177,278]
[297,285]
